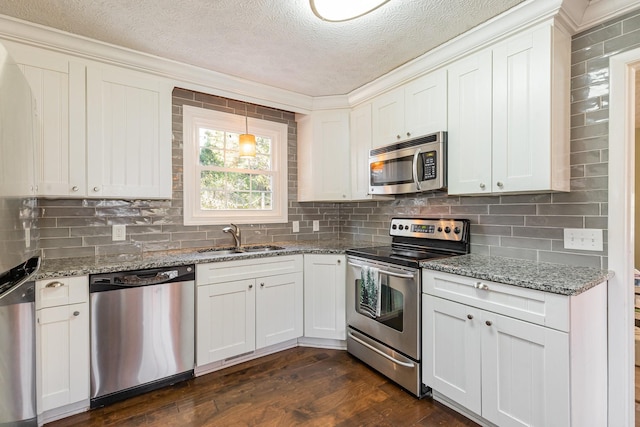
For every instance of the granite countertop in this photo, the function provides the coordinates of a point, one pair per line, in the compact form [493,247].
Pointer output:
[548,277]
[52,268]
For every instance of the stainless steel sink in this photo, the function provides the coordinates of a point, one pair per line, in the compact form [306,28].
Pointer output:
[224,251]
[266,248]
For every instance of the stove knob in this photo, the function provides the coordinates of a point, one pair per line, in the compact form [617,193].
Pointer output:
[456,230]
[394,226]
[401,227]
[439,229]
[447,230]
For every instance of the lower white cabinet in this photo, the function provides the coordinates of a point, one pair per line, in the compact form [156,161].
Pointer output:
[483,358]
[62,313]
[246,305]
[324,296]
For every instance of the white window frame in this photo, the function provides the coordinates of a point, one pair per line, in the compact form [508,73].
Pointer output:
[195,118]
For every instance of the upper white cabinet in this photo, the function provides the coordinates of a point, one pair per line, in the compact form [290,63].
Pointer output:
[415,109]
[128,134]
[323,156]
[508,115]
[100,130]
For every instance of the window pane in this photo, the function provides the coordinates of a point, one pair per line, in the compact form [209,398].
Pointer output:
[260,200]
[261,183]
[263,145]
[212,200]
[232,141]
[238,181]
[212,180]
[211,142]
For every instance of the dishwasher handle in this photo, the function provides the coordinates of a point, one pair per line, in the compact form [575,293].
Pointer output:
[141,280]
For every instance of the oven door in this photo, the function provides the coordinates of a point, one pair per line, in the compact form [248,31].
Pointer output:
[398,325]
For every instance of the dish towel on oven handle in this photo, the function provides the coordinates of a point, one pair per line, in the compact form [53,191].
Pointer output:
[370,290]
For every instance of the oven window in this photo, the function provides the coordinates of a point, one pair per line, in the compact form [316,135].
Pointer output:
[391,306]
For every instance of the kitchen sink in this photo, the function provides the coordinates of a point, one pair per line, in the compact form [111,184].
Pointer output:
[265,248]
[241,250]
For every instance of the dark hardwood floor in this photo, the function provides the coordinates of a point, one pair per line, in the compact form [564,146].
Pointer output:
[301,386]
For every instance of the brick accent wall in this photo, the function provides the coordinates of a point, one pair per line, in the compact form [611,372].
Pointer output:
[518,226]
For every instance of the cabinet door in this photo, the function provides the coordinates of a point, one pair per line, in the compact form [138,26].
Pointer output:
[324,296]
[360,132]
[63,357]
[225,324]
[451,351]
[58,87]
[323,157]
[279,306]
[129,134]
[388,118]
[469,115]
[521,112]
[525,373]
[426,104]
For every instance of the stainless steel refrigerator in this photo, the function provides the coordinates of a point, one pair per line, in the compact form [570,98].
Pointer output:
[18,247]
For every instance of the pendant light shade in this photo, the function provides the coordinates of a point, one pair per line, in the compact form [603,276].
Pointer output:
[247,141]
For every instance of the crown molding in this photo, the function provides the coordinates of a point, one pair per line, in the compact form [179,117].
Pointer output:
[183,75]
[600,11]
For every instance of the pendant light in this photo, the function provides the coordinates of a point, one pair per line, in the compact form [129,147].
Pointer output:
[247,141]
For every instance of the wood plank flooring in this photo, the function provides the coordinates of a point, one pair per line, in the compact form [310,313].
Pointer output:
[300,386]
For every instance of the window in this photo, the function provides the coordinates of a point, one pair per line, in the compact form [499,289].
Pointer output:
[220,186]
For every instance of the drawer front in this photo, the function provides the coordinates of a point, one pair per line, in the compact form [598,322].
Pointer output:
[62,291]
[542,308]
[228,271]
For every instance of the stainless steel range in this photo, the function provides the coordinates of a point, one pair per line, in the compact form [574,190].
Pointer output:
[384,289]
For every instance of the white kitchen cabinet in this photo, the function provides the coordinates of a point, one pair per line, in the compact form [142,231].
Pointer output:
[324,296]
[62,367]
[323,156]
[128,134]
[515,356]
[57,86]
[508,115]
[246,305]
[415,109]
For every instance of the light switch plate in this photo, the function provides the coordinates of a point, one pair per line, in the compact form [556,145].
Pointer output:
[586,239]
[296,226]
[119,232]
[316,225]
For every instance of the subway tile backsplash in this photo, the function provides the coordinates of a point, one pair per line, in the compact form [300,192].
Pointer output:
[528,226]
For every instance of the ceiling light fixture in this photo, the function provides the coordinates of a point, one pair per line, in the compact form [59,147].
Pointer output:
[341,10]
[247,141]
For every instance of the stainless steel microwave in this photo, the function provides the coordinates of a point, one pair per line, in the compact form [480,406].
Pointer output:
[412,166]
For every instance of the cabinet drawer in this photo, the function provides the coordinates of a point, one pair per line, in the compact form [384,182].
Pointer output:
[542,308]
[228,271]
[61,291]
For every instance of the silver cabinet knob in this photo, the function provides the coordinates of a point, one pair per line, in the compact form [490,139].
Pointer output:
[408,133]
[398,136]
[469,316]
[74,188]
[96,189]
[481,286]
[76,313]
[499,184]
[262,285]
[482,186]
[339,262]
[250,286]
[488,323]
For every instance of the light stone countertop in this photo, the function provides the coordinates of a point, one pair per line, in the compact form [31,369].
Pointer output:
[556,278]
[543,276]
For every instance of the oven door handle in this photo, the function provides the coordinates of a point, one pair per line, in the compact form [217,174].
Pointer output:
[381,353]
[389,273]
[415,168]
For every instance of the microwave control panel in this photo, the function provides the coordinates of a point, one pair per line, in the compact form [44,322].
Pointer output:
[429,170]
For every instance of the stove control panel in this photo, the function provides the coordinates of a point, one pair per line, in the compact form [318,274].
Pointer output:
[441,229]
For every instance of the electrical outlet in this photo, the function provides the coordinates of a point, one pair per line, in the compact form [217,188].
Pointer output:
[118,232]
[316,225]
[296,226]
[586,239]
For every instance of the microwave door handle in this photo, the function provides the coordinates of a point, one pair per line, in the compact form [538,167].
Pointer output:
[415,169]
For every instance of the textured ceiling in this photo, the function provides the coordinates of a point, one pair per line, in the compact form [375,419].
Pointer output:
[280,43]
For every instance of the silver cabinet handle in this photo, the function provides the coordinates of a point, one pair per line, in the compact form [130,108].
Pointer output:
[489,322]
[481,286]
[96,189]
[499,184]
[76,313]
[469,316]
[75,188]
[54,285]
[381,353]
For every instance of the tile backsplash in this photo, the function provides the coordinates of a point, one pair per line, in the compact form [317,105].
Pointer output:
[528,226]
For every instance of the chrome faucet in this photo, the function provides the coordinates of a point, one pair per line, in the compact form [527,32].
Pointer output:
[235,232]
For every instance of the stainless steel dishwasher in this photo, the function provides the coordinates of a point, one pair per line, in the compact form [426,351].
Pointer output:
[142,331]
